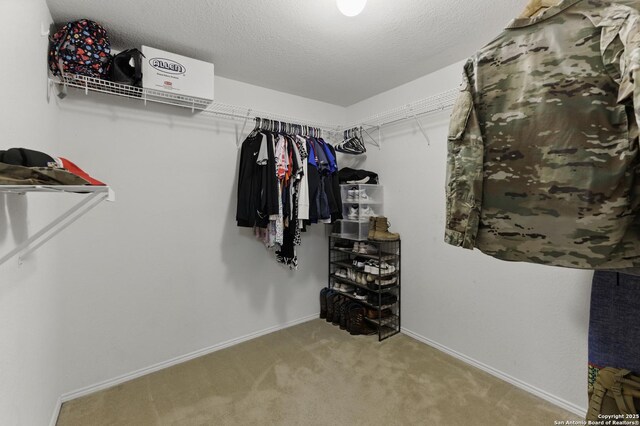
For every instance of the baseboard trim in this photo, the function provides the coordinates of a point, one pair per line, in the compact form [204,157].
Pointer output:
[573,408]
[56,412]
[174,361]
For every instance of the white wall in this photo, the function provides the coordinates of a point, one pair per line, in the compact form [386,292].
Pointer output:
[164,271]
[524,321]
[29,315]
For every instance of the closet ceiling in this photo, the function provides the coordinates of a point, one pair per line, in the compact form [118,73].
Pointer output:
[305,47]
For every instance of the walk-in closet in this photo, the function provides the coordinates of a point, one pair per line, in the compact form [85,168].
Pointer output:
[334,212]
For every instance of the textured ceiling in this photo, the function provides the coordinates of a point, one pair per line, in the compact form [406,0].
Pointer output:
[304,47]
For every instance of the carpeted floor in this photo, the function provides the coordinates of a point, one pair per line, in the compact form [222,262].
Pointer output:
[315,374]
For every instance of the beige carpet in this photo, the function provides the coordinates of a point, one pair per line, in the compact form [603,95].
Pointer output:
[315,374]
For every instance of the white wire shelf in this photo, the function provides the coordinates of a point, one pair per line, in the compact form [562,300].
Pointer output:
[411,111]
[91,197]
[22,189]
[430,105]
[205,106]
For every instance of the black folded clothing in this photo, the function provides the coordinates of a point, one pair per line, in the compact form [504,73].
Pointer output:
[349,175]
[26,158]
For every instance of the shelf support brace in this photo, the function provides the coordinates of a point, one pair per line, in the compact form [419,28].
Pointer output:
[424,132]
[56,226]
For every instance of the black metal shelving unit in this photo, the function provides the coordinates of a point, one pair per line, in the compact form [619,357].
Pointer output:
[342,255]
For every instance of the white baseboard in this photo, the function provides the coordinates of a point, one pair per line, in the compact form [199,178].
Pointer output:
[177,360]
[56,412]
[573,408]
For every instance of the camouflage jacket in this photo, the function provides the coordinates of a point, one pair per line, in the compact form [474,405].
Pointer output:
[543,159]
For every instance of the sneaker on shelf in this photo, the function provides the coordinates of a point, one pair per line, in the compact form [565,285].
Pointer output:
[362,195]
[386,282]
[351,275]
[370,278]
[377,268]
[356,247]
[353,213]
[386,269]
[368,249]
[361,294]
[359,262]
[352,194]
[348,288]
[371,266]
[337,286]
[342,273]
[366,213]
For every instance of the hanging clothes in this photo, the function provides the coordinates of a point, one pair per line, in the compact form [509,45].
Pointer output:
[285,182]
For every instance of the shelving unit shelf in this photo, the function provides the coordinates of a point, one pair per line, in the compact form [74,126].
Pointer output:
[382,301]
[91,197]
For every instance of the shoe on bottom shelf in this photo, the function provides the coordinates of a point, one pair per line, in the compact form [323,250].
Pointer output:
[374,314]
[361,294]
[357,323]
[323,303]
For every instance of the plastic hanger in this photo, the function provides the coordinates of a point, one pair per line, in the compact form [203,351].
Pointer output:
[536,6]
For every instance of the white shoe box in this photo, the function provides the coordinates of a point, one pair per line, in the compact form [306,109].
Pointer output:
[176,74]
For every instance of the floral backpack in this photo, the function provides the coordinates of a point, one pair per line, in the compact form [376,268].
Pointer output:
[81,47]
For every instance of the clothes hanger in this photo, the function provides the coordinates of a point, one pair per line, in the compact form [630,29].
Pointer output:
[534,7]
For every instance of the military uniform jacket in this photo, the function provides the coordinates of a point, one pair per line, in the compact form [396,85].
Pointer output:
[543,142]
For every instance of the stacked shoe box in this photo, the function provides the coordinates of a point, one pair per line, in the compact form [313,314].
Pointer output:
[359,203]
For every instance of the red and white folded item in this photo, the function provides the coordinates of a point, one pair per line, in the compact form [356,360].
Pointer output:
[72,168]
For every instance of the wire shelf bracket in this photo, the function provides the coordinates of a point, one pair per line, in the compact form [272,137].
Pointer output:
[95,195]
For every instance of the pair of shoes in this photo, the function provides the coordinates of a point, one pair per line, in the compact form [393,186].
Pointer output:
[342,273]
[366,212]
[364,248]
[323,302]
[359,262]
[357,323]
[384,299]
[361,278]
[361,294]
[375,314]
[379,268]
[344,287]
[351,275]
[356,194]
[353,213]
[381,283]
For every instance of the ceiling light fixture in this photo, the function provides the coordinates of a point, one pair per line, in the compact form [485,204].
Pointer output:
[351,7]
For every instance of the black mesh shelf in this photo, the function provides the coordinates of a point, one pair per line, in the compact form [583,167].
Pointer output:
[341,256]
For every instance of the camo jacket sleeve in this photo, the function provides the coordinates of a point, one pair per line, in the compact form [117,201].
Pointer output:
[465,154]
[620,48]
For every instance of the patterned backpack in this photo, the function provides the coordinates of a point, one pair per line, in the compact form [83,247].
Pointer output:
[80,47]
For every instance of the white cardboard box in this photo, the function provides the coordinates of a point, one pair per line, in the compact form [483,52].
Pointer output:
[176,74]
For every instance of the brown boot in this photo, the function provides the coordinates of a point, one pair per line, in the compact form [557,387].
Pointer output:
[381,232]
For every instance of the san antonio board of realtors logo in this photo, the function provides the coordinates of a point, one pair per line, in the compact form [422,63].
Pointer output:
[167,65]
